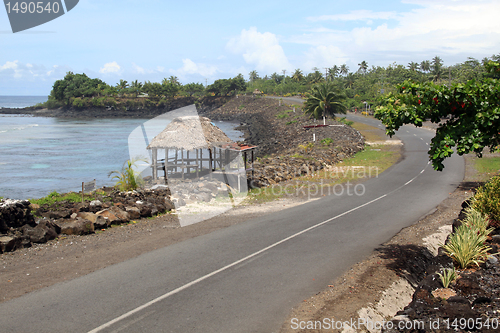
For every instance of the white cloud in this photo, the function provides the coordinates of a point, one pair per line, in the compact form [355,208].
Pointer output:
[262,50]
[138,69]
[356,15]
[190,67]
[15,69]
[323,56]
[110,67]
[438,27]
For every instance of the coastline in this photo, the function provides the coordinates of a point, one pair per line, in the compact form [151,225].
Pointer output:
[120,110]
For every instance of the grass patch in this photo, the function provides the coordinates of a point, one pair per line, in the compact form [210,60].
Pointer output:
[369,132]
[382,157]
[487,166]
[55,197]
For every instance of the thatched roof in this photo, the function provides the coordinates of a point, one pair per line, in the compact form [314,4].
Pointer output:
[189,132]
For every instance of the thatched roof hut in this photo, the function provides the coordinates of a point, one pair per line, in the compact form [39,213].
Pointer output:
[184,135]
[189,133]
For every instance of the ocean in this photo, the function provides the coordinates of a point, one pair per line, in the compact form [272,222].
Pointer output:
[40,155]
[19,102]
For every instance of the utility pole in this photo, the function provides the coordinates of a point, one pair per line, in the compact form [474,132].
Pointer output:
[284,76]
[326,73]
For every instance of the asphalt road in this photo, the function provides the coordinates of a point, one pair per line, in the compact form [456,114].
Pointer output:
[247,277]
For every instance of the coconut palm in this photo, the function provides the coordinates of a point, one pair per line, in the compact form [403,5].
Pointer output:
[276,77]
[174,80]
[412,66]
[253,75]
[323,100]
[333,72]
[436,67]
[298,75]
[344,69]
[425,66]
[135,87]
[350,79]
[363,66]
[316,77]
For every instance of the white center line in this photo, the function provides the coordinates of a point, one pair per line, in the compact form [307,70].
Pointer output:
[192,283]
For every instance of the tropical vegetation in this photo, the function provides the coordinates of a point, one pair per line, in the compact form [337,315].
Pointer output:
[468,113]
[127,179]
[362,86]
[325,99]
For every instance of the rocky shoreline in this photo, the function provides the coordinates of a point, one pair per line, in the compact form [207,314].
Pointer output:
[285,151]
[23,224]
[120,111]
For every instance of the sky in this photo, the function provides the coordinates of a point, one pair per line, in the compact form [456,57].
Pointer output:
[202,41]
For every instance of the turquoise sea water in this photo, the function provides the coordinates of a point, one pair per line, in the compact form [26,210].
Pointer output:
[40,155]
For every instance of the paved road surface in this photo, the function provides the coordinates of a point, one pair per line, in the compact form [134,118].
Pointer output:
[247,277]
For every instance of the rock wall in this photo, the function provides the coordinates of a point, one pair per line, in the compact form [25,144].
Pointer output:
[19,228]
[15,214]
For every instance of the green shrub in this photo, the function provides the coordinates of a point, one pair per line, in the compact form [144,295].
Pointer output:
[466,246]
[98,102]
[53,104]
[474,219]
[487,200]
[327,141]
[343,120]
[127,178]
[291,122]
[307,147]
[78,103]
[449,275]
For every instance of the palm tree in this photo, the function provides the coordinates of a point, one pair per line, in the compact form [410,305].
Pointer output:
[333,72]
[350,80]
[122,85]
[136,87]
[363,66]
[436,67]
[174,80]
[315,77]
[297,75]
[412,66]
[324,99]
[425,66]
[276,77]
[253,75]
[344,69]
